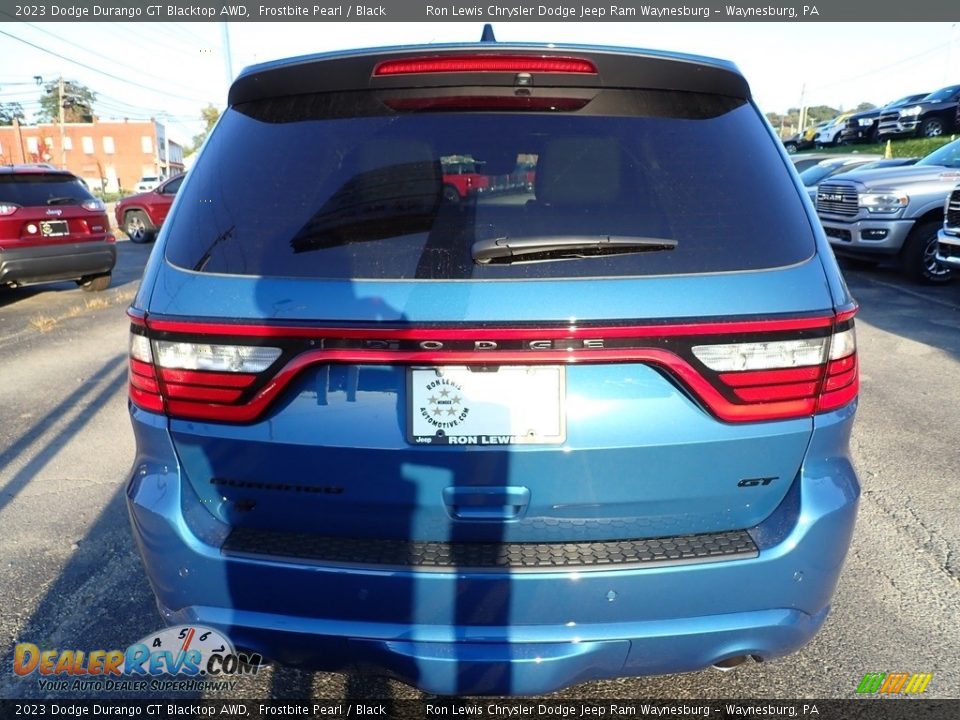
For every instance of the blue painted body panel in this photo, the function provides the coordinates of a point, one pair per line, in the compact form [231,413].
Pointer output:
[641,460]
[461,633]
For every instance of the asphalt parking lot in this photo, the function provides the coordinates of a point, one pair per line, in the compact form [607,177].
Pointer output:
[69,576]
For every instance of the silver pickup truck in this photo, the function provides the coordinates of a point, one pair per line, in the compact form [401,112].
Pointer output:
[892,213]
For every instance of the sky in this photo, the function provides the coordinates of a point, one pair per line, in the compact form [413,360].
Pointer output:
[170,70]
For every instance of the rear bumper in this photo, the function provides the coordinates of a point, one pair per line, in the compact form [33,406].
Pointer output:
[497,632]
[49,263]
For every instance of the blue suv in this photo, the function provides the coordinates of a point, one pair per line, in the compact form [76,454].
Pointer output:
[585,417]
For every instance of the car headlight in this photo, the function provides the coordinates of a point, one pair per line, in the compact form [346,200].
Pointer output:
[865,122]
[911,112]
[883,202]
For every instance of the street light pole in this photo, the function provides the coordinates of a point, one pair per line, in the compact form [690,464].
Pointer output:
[63,149]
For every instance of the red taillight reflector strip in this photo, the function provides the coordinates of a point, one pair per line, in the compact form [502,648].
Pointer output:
[768,393]
[485,63]
[198,393]
[209,379]
[771,377]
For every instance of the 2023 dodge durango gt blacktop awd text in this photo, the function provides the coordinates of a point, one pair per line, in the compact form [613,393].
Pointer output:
[590,423]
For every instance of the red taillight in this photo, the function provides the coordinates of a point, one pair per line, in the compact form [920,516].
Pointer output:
[741,371]
[484,63]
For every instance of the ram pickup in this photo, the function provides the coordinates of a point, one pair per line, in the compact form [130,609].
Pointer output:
[892,213]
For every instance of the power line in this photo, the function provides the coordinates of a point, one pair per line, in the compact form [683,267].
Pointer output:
[100,71]
[882,68]
[60,39]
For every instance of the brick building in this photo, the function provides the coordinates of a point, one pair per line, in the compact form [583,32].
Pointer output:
[108,155]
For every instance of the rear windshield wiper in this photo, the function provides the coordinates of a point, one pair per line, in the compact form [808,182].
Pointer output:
[63,201]
[506,250]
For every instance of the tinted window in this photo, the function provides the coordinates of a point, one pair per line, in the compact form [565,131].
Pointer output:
[42,189]
[342,186]
[173,187]
[942,94]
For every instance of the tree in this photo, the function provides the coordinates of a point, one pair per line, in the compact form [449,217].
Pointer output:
[77,102]
[864,106]
[10,112]
[209,115]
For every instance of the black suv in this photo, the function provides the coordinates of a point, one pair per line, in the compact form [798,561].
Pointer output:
[864,127]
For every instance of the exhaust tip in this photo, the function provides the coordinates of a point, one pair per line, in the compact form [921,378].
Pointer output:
[730,663]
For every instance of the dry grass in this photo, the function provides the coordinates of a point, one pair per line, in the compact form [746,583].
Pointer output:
[46,323]
[43,323]
[96,303]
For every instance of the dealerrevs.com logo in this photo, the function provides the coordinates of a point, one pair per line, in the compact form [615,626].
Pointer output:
[197,658]
[894,683]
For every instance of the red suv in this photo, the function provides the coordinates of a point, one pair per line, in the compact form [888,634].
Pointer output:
[51,229]
[140,216]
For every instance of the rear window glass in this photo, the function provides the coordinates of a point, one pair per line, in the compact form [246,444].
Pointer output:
[346,186]
[28,190]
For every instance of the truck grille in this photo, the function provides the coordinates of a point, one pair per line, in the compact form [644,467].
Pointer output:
[953,211]
[837,199]
[890,122]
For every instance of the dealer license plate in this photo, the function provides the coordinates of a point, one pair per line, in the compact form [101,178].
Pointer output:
[458,405]
[54,228]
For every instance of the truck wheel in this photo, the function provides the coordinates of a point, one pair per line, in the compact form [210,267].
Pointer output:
[138,227]
[918,258]
[450,194]
[98,283]
[932,128]
[790,147]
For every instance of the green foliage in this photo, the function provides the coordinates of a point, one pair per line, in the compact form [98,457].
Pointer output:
[209,114]
[77,102]
[11,111]
[913,147]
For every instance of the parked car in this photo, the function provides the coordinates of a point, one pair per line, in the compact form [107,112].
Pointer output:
[826,168]
[948,251]
[140,216]
[147,183]
[864,127]
[892,213]
[803,161]
[932,116]
[805,140]
[510,443]
[52,229]
[830,133]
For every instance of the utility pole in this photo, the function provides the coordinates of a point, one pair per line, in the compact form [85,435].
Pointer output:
[23,153]
[949,67]
[63,149]
[227,55]
[802,120]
